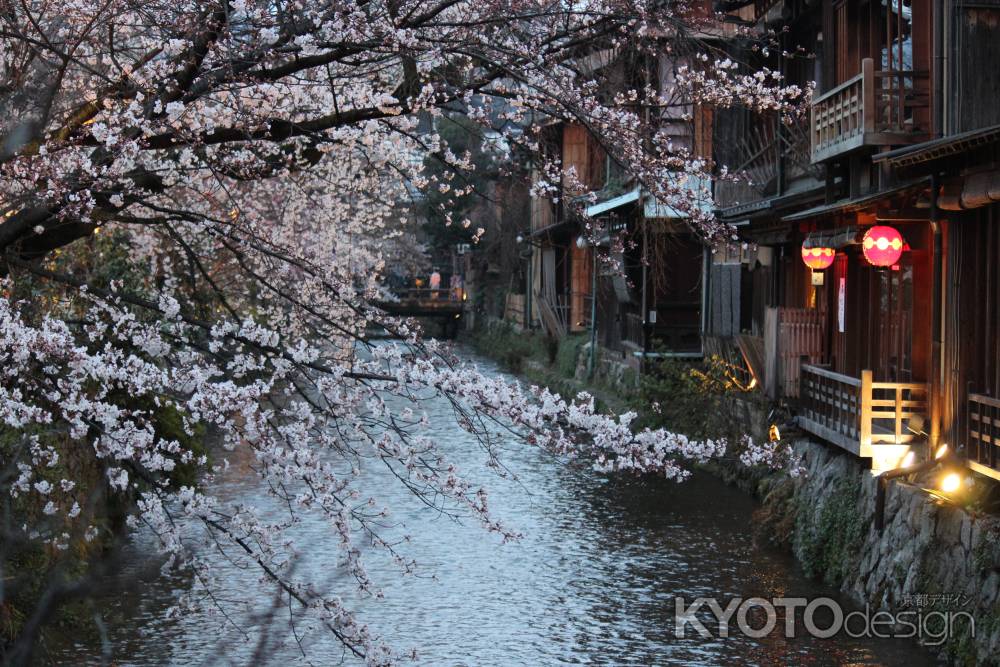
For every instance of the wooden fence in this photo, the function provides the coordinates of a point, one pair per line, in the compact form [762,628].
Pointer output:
[856,413]
[888,408]
[514,309]
[831,401]
[632,330]
[799,335]
[983,437]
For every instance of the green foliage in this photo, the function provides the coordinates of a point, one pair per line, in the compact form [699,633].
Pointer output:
[510,347]
[568,354]
[960,646]
[688,397]
[986,554]
[828,541]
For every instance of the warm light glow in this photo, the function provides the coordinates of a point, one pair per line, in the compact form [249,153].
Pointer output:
[773,434]
[941,451]
[951,482]
[908,460]
[818,259]
[882,245]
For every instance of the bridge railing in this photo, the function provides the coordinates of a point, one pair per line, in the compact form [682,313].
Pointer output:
[430,294]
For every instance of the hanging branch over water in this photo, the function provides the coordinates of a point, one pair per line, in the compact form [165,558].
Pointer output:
[199,202]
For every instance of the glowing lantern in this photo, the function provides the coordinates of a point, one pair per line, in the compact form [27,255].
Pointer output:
[882,245]
[818,259]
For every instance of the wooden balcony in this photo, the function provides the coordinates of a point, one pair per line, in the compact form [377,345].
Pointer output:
[982,443]
[869,419]
[887,108]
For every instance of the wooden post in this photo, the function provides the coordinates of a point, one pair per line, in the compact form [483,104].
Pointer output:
[865,412]
[805,396]
[899,414]
[868,95]
[771,381]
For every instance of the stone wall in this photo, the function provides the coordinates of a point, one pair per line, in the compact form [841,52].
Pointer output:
[930,556]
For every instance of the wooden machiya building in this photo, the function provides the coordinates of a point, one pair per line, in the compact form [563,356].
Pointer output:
[890,189]
[641,293]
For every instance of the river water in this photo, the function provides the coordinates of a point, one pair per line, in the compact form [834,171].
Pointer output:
[593,580]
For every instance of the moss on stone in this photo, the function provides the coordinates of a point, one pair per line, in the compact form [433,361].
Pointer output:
[828,539]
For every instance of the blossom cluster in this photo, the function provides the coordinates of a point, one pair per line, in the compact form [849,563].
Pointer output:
[255,170]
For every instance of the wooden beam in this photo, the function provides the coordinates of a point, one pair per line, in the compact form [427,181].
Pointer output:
[830,435]
[984,470]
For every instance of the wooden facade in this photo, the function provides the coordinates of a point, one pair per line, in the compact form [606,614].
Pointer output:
[902,131]
[647,297]
[881,361]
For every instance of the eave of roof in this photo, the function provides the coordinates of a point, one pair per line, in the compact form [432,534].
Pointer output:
[771,204]
[613,203]
[849,205]
[939,148]
[553,228]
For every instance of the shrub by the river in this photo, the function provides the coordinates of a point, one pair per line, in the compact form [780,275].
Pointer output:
[568,355]
[690,397]
[512,348]
[47,566]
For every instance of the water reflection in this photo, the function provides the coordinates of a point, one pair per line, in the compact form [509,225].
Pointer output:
[593,580]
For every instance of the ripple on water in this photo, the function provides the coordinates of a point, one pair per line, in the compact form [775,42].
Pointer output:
[593,581]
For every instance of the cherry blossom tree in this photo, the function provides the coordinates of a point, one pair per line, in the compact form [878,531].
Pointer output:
[198,202]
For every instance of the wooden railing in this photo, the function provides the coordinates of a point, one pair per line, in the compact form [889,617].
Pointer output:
[872,108]
[632,330]
[830,400]
[893,402]
[838,118]
[982,442]
[430,294]
[856,413]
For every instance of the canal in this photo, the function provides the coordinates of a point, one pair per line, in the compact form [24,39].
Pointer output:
[593,580]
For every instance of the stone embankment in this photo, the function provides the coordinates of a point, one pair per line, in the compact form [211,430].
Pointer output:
[931,555]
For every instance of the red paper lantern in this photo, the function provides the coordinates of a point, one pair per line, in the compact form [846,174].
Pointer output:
[882,245]
[818,259]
